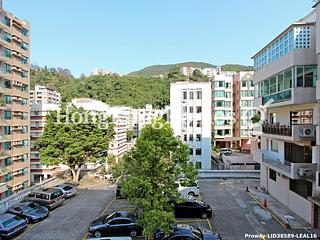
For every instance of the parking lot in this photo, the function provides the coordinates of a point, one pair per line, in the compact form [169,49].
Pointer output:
[235,213]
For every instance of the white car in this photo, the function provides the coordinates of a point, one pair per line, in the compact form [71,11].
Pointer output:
[68,190]
[188,190]
[226,151]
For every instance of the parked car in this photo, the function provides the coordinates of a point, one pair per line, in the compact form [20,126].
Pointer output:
[11,225]
[226,151]
[188,189]
[48,197]
[184,231]
[68,190]
[120,223]
[30,210]
[112,238]
[192,208]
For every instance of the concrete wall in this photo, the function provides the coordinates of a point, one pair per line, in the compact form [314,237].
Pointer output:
[252,174]
[300,206]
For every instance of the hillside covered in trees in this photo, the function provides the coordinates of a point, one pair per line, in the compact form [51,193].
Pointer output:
[135,91]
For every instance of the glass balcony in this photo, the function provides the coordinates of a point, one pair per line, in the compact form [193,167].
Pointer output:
[278,97]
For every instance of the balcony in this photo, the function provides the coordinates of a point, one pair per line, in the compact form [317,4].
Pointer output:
[289,169]
[3,187]
[289,132]
[296,95]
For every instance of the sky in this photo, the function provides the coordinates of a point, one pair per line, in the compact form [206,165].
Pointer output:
[127,35]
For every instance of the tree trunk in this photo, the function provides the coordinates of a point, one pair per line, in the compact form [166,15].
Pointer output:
[75,172]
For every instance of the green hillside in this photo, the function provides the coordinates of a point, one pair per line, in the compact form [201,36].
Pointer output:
[156,70]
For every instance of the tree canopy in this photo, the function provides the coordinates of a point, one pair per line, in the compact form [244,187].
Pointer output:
[149,171]
[74,139]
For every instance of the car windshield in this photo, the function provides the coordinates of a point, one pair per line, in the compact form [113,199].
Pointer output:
[200,202]
[11,221]
[66,188]
[30,207]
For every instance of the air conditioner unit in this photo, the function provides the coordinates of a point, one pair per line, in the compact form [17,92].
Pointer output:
[307,132]
[304,172]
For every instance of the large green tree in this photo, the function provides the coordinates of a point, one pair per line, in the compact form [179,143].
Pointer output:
[149,172]
[73,137]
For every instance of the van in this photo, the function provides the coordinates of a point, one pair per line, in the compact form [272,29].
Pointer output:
[226,151]
[48,197]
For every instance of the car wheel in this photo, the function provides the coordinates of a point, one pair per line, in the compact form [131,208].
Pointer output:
[133,233]
[191,194]
[97,234]
[204,215]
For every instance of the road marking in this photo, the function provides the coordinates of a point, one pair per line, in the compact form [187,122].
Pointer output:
[28,229]
[99,215]
[261,205]
[209,224]
[189,220]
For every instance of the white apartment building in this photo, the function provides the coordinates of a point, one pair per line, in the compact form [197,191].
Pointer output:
[101,72]
[286,71]
[121,118]
[190,118]
[42,94]
[209,72]
[38,116]
[143,116]
[222,110]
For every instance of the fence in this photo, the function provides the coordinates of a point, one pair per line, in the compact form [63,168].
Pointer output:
[251,174]
[17,197]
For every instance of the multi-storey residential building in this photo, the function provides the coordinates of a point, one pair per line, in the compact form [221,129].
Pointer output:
[190,118]
[143,116]
[121,119]
[222,110]
[14,107]
[286,73]
[101,72]
[243,96]
[38,116]
[209,72]
[42,94]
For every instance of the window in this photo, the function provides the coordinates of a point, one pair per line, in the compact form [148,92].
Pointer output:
[287,79]
[219,123]
[185,137]
[228,85]
[191,95]
[219,94]
[244,84]
[7,83]
[7,52]
[24,101]
[7,130]
[8,177]
[228,95]
[198,137]
[273,84]
[199,95]
[24,46]
[198,165]
[219,83]
[7,68]
[24,171]
[6,21]
[274,146]
[184,95]
[191,123]
[191,151]
[299,73]
[191,137]
[8,162]
[25,143]
[199,109]
[56,194]
[227,103]
[198,151]
[24,32]
[199,123]
[301,187]
[219,103]
[24,74]
[7,115]
[190,109]
[273,118]
[6,36]
[8,99]
[24,60]
[301,117]
[272,174]
[184,109]
[7,146]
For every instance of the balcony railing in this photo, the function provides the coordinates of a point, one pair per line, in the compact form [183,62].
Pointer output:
[277,129]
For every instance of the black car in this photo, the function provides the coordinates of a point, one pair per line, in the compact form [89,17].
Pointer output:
[120,223]
[30,210]
[192,208]
[184,231]
[11,225]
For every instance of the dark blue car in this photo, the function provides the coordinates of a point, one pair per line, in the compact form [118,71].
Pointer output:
[11,225]
[30,210]
[184,231]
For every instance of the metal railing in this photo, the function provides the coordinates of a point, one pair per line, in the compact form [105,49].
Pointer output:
[277,129]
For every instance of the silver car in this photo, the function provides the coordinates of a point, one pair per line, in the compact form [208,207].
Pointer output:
[68,190]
